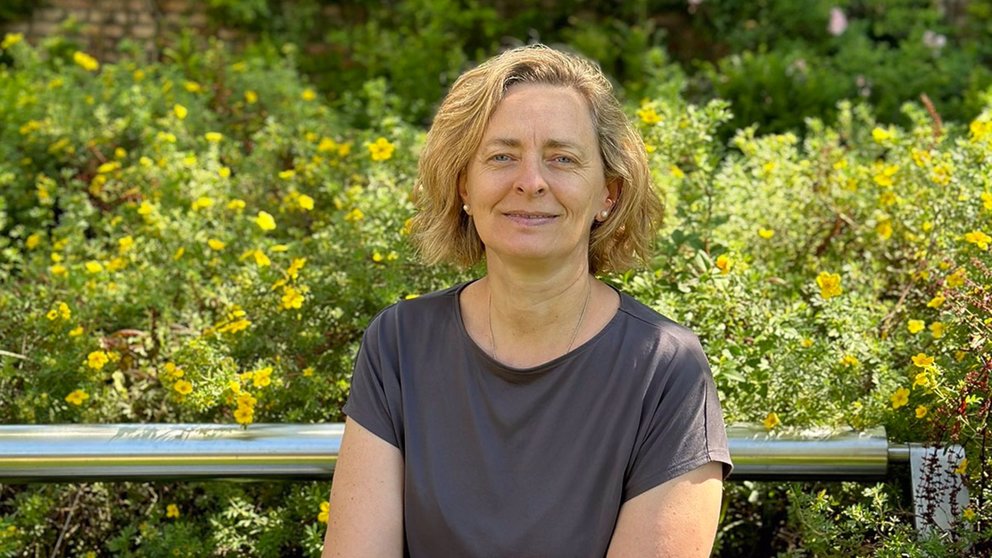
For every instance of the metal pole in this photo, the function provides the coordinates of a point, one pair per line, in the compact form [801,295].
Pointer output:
[138,452]
[98,452]
[813,454]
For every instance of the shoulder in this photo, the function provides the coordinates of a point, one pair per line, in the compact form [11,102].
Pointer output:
[431,308]
[654,325]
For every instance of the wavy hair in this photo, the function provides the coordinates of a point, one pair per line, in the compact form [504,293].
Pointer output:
[444,233]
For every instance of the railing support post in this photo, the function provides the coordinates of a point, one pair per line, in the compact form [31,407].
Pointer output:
[939,495]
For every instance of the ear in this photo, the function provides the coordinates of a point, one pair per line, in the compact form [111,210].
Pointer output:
[613,189]
[462,187]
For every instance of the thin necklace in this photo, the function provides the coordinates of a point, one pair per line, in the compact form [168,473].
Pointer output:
[575,332]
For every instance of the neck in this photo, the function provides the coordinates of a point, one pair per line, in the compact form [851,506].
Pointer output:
[534,319]
[526,299]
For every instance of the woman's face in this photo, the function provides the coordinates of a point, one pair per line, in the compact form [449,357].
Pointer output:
[536,183]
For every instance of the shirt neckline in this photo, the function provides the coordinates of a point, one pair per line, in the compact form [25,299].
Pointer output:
[517,374]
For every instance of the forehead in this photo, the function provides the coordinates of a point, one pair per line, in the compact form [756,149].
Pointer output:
[544,112]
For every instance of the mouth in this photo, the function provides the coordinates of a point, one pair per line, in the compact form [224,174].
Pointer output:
[530,217]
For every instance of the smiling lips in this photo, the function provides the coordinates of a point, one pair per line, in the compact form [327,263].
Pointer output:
[530,217]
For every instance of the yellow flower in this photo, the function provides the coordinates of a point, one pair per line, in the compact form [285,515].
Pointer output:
[183,387]
[180,111]
[900,398]
[262,377]
[881,135]
[94,266]
[920,157]
[849,361]
[261,260]
[884,229]
[251,97]
[76,331]
[202,202]
[52,314]
[77,397]
[244,415]
[216,244]
[178,253]
[224,172]
[765,233]
[265,221]
[771,421]
[58,270]
[957,278]
[676,172]
[305,201]
[213,137]
[108,167]
[287,174]
[325,508]
[354,215]
[941,174]
[236,205]
[308,371]
[921,411]
[291,298]
[85,61]
[724,263]
[11,39]
[32,241]
[246,399]
[986,201]
[936,302]
[172,511]
[921,379]
[381,149]
[978,238]
[806,343]
[916,326]
[97,360]
[921,360]
[192,86]
[962,467]
[308,94]
[968,514]
[125,243]
[293,271]
[648,115]
[145,209]
[937,330]
[829,284]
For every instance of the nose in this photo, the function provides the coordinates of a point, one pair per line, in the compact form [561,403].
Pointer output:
[531,180]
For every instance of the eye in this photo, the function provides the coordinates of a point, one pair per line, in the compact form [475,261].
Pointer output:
[500,158]
[563,159]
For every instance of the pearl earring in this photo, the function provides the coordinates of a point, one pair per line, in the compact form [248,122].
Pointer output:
[604,214]
[465,209]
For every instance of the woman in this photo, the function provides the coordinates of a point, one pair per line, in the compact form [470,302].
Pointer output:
[535,411]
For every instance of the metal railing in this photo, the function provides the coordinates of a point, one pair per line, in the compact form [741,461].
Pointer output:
[139,452]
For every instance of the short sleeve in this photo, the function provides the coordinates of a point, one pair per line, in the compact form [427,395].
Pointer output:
[375,398]
[681,424]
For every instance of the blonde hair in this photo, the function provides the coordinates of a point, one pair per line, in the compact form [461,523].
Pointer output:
[444,233]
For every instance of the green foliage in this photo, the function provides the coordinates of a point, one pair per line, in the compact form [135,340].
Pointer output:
[205,239]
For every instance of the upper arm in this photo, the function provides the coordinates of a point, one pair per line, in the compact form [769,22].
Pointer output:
[676,518]
[366,512]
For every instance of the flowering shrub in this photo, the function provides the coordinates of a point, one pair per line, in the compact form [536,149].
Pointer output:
[185,244]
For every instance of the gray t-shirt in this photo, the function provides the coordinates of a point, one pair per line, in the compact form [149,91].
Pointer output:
[531,462]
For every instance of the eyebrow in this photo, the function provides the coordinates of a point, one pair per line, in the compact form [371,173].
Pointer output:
[552,144]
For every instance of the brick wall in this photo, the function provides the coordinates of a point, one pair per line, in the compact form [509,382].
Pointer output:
[102,24]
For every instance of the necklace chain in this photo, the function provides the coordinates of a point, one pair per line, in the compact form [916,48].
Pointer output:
[571,341]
